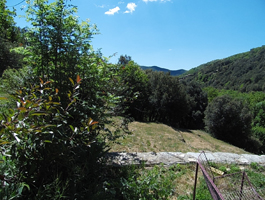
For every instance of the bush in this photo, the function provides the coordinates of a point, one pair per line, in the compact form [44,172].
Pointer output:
[229,120]
[52,151]
[12,79]
[259,133]
[146,184]
[10,188]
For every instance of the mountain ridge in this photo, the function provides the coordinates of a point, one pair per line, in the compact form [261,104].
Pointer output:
[172,72]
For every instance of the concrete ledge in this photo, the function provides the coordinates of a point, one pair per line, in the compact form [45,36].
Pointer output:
[171,158]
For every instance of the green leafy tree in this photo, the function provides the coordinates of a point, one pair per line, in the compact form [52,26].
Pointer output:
[197,101]
[259,114]
[258,124]
[124,60]
[132,86]
[58,44]
[229,119]
[59,47]
[10,37]
[167,99]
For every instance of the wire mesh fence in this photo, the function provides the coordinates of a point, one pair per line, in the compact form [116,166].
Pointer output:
[236,186]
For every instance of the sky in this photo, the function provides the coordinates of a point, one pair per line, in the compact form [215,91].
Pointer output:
[172,34]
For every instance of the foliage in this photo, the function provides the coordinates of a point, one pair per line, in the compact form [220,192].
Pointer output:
[242,72]
[229,120]
[146,184]
[167,101]
[124,60]
[211,93]
[58,47]
[12,79]
[197,101]
[258,132]
[10,188]
[132,86]
[257,177]
[259,113]
[10,37]
[49,147]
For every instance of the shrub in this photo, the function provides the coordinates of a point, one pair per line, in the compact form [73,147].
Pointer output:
[259,133]
[140,183]
[50,148]
[12,79]
[10,189]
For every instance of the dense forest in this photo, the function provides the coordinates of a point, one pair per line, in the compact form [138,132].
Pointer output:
[242,72]
[59,93]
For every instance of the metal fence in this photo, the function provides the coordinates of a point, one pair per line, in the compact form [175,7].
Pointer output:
[236,186]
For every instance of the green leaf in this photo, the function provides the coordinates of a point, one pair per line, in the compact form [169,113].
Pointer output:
[72,81]
[39,113]
[72,128]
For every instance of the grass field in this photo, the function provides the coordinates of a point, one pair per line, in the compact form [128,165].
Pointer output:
[156,137]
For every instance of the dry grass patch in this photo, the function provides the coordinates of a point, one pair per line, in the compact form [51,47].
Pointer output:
[156,137]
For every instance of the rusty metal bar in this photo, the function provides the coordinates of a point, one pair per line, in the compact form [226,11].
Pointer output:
[195,183]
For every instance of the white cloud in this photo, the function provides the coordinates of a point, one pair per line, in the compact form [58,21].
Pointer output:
[131,7]
[112,11]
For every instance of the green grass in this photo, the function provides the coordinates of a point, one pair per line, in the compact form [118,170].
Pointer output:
[185,177]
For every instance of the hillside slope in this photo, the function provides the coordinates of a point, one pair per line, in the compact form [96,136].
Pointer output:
[147,137]
[243,72]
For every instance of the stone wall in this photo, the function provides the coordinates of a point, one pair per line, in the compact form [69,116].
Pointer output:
[171,158]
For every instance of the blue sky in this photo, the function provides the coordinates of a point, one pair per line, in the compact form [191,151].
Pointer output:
[173,34]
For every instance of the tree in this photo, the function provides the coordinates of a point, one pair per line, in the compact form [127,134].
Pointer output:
[58,44]
[197,101]
[258,124]
[124,60]
[228,119]
[59,48]
[167,99]
[133,90]
[10,37]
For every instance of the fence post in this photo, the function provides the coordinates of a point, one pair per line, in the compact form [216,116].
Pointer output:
[195,182]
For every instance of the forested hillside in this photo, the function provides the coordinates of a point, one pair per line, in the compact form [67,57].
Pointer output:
[159,69]
[243,72]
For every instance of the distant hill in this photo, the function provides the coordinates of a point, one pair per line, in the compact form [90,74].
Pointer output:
[172,72]
[244,72]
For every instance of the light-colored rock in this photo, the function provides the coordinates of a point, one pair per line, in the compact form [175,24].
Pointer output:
[170,158]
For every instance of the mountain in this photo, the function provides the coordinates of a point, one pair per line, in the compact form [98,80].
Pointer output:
[172,72]
[244,72]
